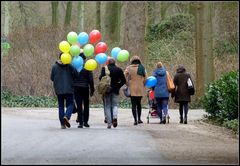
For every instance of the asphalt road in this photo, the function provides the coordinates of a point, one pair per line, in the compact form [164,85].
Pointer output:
[38,139]
[33,136]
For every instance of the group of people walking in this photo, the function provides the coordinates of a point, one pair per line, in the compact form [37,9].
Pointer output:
[70,85]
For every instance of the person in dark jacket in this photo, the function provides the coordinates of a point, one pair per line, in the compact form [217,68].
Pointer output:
[181,92]
[83,82]
[62,77]
[161,92]
[111,100]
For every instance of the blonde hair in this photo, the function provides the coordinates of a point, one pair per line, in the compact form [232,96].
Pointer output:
[159,65]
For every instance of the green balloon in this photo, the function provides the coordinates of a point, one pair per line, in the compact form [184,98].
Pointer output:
[75,50]
[123,55]
[72,37]
[88,50]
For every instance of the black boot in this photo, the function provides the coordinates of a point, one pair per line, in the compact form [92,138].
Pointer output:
[181,120]
[185,120]
[164,120]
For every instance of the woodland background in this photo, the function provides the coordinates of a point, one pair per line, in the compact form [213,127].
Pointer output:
[203,36]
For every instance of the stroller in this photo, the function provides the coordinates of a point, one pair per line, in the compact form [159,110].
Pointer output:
[153,107]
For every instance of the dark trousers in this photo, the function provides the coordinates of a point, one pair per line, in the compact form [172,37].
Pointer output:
[82,97]
[136,107]
[183,105]
[69,104]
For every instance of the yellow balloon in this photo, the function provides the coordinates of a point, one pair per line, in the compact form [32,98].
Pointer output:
[90,65]
[64,46]
[66,58]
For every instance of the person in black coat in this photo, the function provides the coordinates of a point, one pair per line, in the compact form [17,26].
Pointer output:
[83,83]
[181,94]
[62,77]
[111,100]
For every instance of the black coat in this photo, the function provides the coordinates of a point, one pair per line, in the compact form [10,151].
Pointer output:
[180,81]
[62,77]
[117,77]
[84,79]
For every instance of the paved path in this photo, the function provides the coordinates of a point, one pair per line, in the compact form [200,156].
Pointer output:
[33,136]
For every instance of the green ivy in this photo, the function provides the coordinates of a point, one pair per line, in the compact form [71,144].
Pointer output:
[10,100]
[175,26]
[221,97]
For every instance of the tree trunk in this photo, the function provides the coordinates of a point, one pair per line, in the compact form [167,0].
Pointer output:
[55,13]
[204,54]
[112,21]
[24,16]
[68,14]
[134,28]
[6,19]
[164,7]
[98,15]
[157,12]
[149,16]
[208,43]
[80,8]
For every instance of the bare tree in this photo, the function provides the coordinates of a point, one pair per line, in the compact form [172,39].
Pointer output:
[54,13]
[111,21]
[134,28]
[98,14]
[6,18]
[68,14]
[81,15]
[204,45]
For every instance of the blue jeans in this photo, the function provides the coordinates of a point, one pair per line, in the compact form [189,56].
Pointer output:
[69,105]
[111,106]
[162,107]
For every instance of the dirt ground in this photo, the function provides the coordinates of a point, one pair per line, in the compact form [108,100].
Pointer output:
[196,141]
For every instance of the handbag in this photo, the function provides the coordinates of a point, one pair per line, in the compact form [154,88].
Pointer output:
[126,89]
[191,89]
[170,84]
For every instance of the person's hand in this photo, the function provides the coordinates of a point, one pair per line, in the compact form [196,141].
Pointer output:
[172,95]
[91,93]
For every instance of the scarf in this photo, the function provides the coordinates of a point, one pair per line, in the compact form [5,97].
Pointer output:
[141,70]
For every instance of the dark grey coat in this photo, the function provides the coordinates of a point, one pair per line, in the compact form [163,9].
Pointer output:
[180,81]
[62,77]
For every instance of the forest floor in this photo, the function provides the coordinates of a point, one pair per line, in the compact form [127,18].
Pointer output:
[194,143]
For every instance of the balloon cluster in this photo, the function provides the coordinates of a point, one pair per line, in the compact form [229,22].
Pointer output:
[91,45]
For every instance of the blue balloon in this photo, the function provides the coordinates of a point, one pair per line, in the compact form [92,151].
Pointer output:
[101,58]
[77,62]
[151,81]
[83,38]
[115,52]
[79,68]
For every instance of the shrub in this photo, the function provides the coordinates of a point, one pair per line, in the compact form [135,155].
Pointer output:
[232,124]
[10,100]
[172,26]
[221,97]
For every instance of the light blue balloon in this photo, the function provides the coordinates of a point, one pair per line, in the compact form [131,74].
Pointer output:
[79,68]
[101,58]
[151,81]
[77,62]
[83,38]
[115,52]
